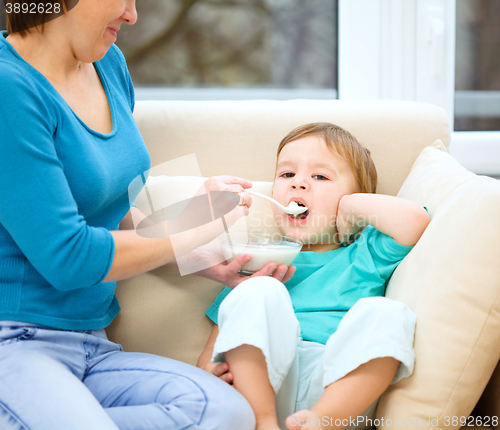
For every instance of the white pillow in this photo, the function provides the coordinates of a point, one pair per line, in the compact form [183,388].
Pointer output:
[451,280]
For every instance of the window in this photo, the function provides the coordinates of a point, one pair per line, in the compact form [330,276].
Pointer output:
[442,52]
[275,48]
[477,78]
[390,49]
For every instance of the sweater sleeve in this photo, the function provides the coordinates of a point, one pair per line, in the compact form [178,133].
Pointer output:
[38,209]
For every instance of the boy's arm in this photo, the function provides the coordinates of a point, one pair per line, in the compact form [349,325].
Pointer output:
[402,219]
[221,370]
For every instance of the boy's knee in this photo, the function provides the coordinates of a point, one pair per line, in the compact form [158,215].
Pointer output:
[383,309]
[259,289]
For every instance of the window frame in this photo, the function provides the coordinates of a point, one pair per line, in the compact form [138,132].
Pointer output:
[408,49]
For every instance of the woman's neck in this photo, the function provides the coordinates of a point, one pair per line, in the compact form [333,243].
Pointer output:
[49,53]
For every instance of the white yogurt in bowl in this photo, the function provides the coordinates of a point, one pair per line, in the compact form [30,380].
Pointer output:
[263,247]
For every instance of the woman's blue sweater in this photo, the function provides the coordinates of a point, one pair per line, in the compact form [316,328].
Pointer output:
[63,187]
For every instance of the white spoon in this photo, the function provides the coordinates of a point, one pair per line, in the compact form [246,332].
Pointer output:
[293,208]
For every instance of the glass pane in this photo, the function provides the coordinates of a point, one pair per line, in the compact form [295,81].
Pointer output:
[477,85]
[228,44]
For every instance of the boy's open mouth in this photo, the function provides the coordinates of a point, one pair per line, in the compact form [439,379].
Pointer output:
[300,218]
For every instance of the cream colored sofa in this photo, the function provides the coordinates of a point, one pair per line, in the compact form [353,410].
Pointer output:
[451,279]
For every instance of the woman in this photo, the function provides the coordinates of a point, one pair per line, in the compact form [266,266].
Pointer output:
[69,148]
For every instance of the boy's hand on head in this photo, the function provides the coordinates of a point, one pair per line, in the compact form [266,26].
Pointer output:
[348,223]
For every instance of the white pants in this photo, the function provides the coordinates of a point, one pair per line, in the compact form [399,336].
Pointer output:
[259,312]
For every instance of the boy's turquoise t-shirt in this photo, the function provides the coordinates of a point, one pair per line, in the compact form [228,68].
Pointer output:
[326,285]
[63,187]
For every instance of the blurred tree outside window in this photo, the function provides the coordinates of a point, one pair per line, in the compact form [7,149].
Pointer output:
[233,44]
[477,78]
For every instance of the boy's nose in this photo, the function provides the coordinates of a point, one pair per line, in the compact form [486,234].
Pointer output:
[300,181]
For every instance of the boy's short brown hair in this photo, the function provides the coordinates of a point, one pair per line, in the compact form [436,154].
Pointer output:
[345,145]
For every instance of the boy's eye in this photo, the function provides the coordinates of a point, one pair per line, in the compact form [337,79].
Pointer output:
[288,175]
[320,177]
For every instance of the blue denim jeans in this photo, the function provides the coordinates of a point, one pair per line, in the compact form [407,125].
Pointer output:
[62,380]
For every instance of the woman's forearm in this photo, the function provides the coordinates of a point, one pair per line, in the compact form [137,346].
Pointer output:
[138,250]
[142,249]
[135,254]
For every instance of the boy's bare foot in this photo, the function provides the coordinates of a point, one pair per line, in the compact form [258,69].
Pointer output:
[305,420]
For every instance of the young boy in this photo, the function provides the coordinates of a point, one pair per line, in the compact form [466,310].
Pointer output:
[327,343]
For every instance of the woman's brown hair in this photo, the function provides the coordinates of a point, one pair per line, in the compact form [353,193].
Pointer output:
[35,15]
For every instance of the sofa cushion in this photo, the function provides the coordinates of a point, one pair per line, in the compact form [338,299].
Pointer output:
[451,280]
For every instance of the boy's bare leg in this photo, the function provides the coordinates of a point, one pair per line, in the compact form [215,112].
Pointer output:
[348,397]
[248,365]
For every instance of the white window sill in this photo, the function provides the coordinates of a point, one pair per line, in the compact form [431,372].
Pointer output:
[477,151]
[162,93]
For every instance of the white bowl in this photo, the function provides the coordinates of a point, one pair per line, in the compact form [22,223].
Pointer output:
[263,247]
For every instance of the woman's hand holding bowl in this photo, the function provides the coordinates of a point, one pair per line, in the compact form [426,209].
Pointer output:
[232,278]
[227,273]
